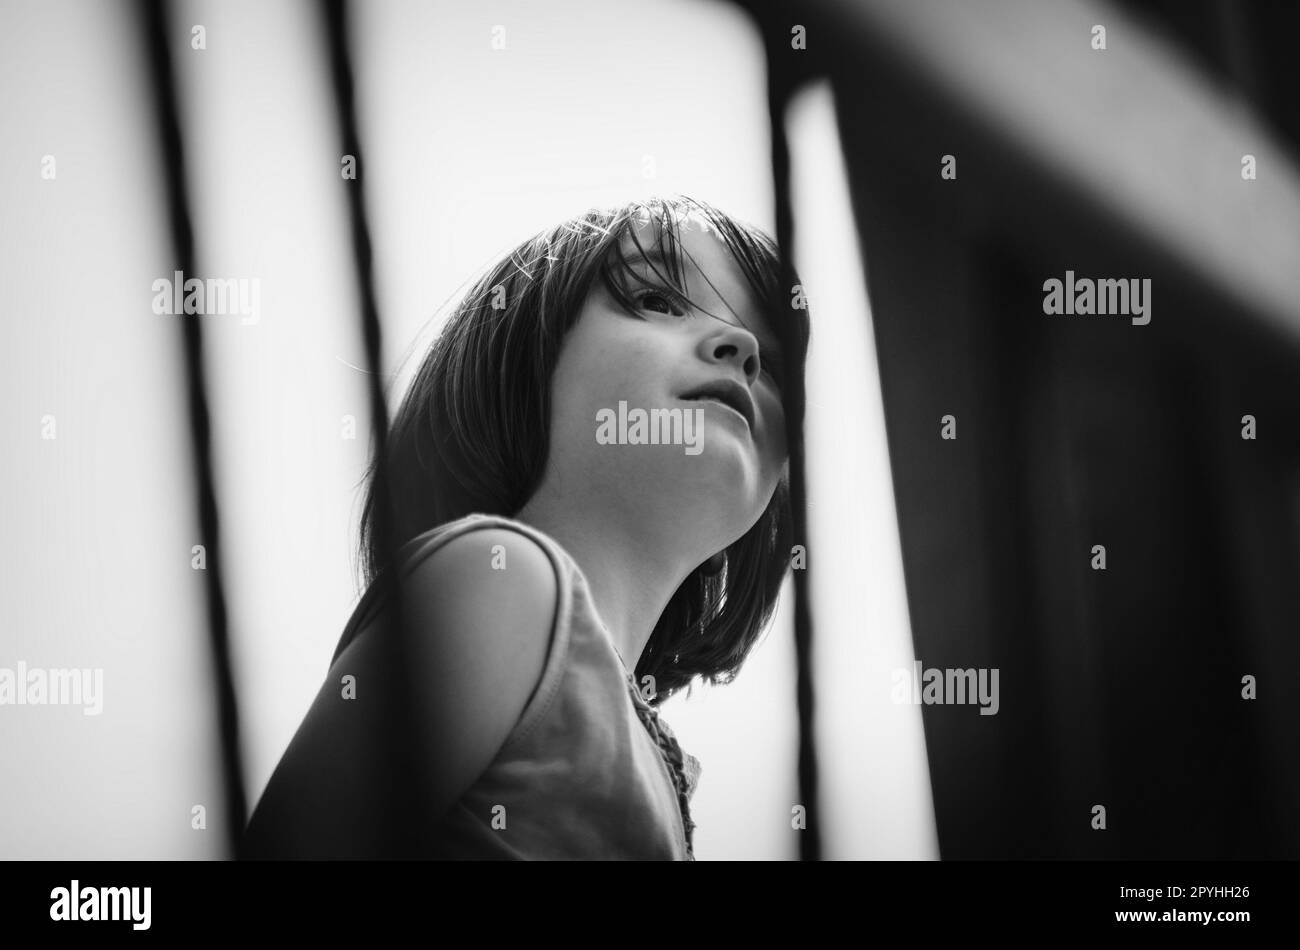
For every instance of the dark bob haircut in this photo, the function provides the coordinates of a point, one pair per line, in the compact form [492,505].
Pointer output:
[472,433]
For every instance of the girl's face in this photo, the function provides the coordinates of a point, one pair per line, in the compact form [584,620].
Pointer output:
[716,367]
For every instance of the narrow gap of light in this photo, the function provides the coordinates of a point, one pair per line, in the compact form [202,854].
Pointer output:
[875,785]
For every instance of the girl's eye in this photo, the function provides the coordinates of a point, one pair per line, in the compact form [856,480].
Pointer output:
[653,299]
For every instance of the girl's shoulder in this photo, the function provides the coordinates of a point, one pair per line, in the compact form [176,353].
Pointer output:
[470,564]
[480,527]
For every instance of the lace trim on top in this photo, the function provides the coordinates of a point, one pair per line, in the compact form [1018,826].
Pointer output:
[682,766]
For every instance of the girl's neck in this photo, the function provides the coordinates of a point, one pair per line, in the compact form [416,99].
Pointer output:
[632,572]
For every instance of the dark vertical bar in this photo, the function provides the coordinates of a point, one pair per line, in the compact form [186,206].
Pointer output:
[155,23]
[779,84]
[1235,48]
[403,733]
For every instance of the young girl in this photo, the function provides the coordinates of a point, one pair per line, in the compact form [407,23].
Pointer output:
[590,510]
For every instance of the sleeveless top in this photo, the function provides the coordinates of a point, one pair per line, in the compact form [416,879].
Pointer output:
[590,770]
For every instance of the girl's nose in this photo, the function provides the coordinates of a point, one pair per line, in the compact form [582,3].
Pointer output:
[734,345]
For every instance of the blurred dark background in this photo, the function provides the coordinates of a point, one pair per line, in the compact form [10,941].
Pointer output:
[1123,687]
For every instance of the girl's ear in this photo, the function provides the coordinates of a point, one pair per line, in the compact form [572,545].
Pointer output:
[715,564]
